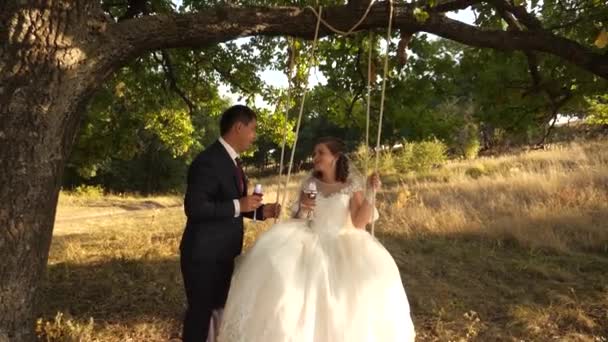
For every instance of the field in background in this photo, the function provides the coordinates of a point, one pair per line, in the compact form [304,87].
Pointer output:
[513,248]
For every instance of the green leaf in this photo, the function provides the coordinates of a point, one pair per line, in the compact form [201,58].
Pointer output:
[421,15]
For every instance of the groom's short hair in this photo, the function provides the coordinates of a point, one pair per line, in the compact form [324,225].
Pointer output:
[234,114]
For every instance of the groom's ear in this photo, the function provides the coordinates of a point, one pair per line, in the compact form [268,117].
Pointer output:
[237,127]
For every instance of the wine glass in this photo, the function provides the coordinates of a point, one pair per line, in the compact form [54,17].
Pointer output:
[310,191]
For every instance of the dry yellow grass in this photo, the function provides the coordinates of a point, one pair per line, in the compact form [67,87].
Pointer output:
[504,249]
[555,199]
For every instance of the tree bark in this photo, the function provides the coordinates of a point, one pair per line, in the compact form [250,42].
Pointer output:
[44,85]
[54,54]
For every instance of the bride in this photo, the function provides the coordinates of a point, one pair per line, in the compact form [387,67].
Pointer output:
[320,277]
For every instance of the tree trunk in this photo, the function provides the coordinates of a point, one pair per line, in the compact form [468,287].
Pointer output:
[42,89]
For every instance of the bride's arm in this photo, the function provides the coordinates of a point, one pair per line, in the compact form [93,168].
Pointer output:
[361,210]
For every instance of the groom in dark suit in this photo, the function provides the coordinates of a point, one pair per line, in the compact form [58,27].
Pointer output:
[216,201]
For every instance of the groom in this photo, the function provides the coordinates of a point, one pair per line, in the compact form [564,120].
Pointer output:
[216,201]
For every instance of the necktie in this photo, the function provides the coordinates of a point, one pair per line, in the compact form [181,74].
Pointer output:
[240,175]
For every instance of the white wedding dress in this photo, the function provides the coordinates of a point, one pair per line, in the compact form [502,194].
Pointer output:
[318,281]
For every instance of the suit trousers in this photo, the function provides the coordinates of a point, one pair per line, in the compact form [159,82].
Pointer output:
[207,283]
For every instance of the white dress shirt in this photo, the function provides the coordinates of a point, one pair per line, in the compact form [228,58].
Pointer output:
[233,155]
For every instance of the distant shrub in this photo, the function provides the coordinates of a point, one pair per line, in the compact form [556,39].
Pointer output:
[421,156]
[468,143]
[411,156]
[386,161]
[90,191]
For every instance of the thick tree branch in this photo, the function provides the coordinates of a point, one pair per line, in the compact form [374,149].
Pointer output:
[357,4]
[130,38]
[454,5]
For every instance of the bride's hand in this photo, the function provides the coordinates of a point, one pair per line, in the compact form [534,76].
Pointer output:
[306,203]
[373,182]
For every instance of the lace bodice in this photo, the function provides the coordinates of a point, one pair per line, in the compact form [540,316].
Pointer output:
[332,210]
[331,213]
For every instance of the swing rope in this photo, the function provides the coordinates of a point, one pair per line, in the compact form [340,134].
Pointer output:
[281,188]
[369,74]
[302,101]
[369,103]
[384,76]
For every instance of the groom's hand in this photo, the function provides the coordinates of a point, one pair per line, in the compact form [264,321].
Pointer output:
[250,203]
[272,210]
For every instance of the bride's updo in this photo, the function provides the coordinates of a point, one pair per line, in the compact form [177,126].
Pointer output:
[337,148]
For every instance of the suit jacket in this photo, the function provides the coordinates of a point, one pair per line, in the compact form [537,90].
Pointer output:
[212,232]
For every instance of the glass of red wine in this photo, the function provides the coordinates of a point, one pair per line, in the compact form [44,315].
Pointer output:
[311,192]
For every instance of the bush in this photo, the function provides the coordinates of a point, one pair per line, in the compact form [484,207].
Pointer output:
[471,149]
[360,155]
[386,163]
[413,156]
[421,156]
[468,141]
[90,191]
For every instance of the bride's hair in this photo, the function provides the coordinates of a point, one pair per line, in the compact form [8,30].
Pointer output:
[337,148]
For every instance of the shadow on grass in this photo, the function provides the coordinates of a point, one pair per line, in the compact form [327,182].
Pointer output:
[459,286]
[465,286]
[120,292]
